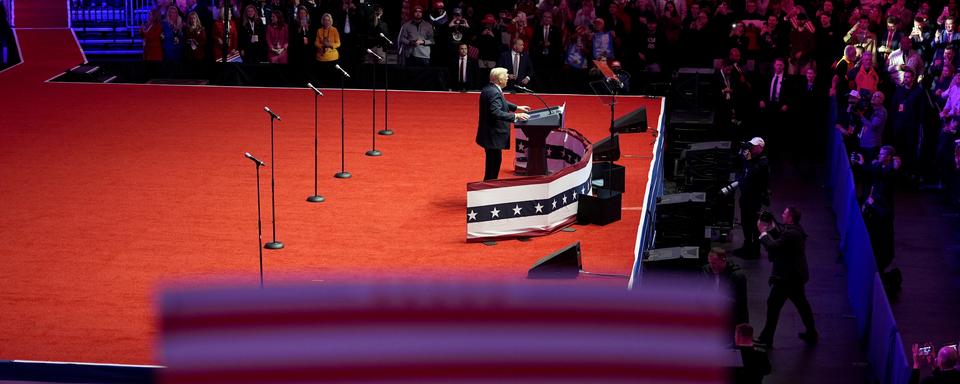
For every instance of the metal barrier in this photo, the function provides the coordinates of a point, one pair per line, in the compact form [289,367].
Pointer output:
[645,231]
[115,14]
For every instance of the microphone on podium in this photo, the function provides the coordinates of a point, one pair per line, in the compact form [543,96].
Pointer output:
[315,89]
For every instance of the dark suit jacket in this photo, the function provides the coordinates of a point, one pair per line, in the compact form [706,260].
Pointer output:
[786,91]
[493,125]
[786,247]
[544,54]
[526,67]
[472,70]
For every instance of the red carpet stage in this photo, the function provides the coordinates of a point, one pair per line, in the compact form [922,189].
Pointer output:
[110,191]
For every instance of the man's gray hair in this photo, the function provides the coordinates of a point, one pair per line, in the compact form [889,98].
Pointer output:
[497,72]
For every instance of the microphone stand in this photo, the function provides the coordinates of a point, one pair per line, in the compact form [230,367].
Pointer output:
[316,198]
[539,98]
[373,130]
[259,224]
[386,131]
[343,174]
[273,195]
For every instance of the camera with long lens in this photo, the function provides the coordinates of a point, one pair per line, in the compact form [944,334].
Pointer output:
[726,191]
[766,217]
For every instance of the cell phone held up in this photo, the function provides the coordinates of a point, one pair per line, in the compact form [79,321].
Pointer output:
[925,350]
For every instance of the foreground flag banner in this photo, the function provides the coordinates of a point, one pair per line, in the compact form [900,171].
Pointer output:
[533,205]
[443,333]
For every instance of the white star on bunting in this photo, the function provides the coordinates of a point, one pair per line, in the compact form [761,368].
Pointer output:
[516,210]
[472,215]
[574,195]
[554,203]
[539,207]
[564,199]
[495,212]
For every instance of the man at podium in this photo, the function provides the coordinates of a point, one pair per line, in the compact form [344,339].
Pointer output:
[493,126]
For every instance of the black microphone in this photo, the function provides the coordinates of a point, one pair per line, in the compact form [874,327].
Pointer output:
[255,160]
[525,89]
[370,51]
[315,89]
[386,38]
[343,71]
[530,91]
[274,115]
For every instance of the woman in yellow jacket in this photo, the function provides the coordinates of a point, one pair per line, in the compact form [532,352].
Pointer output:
[327,42]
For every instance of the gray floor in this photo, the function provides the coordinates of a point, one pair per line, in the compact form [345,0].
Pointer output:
[837,358]
[927,237]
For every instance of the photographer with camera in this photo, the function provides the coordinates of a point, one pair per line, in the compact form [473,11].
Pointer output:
[868,116]
[878,208]
[752,183]
[786,247]
[944,367]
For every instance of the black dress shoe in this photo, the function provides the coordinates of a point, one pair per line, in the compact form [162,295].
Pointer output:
[809,337]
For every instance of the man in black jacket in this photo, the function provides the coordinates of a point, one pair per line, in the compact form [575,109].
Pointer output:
[753,182]
[722,274]
[493,126]
[786,246]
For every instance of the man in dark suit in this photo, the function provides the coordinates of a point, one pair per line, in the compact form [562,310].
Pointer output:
[775,103]
[493,126]
[890,39]
[517,62]
[786,246]
[546,47]
[464,70]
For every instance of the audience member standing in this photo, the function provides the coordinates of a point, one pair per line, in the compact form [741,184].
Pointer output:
[302,38]
[906,118]
[173,36]
[253,37]
[416,38]
[196,39]
[278,38]
[878,206]
[219,34]
[786,247]
[466,70]
[152,32]
[327,42]
[376,26]
[518,64]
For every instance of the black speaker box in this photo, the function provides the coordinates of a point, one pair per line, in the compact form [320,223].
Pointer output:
[562,264]
[602,208]
[611,175]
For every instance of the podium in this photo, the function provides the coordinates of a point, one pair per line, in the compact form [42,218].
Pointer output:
[536,128]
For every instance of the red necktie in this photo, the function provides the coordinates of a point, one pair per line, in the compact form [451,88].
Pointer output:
[463,65]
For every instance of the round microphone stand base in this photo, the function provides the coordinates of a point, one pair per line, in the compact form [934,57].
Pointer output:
[385,132]
[273,245]
[316,199]
[374,152]
[343,175]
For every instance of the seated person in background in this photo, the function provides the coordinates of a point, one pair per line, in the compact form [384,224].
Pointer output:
[724,275]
